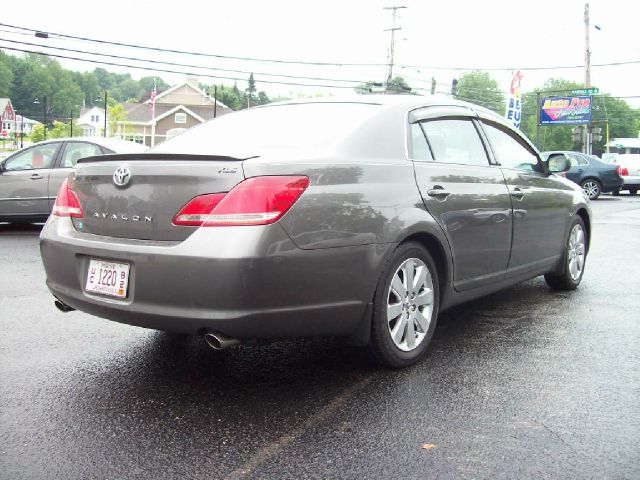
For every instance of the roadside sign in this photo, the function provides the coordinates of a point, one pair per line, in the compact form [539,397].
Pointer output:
[586,91]
[4,133]
[565,110]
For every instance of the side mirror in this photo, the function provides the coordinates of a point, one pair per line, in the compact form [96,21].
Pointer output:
[3,166]
[557,163]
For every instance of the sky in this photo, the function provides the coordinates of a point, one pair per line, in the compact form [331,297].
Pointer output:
[435,36]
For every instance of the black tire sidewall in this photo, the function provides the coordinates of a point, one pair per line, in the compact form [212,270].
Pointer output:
[384,349]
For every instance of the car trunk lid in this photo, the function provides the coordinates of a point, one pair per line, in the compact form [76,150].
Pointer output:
[137,196]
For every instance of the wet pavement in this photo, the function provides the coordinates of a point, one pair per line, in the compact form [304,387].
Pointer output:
[526,383]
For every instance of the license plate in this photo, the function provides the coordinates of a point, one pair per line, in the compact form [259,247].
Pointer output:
[107,278]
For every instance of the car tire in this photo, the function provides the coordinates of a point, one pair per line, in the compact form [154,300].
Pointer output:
[615,193]
[591,187]
[633,191]
[569,276]
[404,312]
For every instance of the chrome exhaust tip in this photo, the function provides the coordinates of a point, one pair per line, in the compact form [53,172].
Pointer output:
[217,341]
[63,307]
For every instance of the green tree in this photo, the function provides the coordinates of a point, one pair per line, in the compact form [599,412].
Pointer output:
[397,86]
[251,89]
[229,96]
[6,76]
[263,99]
[480,88]
[116,113]
[622,119]
[146,86]
[58,130]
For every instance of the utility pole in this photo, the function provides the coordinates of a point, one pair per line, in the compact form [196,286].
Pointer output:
[393,29]
[538,120]
[586,145]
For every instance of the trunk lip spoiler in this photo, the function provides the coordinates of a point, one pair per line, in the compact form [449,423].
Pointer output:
[117,157]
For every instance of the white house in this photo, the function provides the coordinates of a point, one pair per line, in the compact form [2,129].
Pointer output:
[91,122]
[25,125]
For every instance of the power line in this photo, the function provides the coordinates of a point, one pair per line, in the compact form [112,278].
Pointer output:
[174,64]
[153,69]
[300,62]
[185,52]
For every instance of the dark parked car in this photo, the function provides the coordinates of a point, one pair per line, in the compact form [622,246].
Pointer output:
[592,174]
[31,177]
[360,218]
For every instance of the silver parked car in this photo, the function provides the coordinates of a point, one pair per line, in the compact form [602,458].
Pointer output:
[361,218]
[31,177]
[629,168]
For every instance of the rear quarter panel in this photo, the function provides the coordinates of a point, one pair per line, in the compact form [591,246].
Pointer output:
[354,203]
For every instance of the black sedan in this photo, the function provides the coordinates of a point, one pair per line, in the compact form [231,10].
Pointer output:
[592,174]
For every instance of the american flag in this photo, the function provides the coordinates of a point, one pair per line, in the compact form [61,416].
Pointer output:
[152,97]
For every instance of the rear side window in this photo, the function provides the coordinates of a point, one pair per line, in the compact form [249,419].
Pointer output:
[576,160]
[419,147]
[75,151]
[455,141]
[510,150]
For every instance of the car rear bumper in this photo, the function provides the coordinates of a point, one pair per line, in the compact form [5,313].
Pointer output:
[631,180]
[244,282]
[610,185]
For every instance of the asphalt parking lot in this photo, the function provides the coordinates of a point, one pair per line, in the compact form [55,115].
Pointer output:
[526,383]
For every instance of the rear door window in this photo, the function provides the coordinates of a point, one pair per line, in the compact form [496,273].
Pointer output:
[36,157]
[510,150]
[455,141]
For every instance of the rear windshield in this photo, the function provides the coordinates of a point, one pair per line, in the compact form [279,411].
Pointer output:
[309,125]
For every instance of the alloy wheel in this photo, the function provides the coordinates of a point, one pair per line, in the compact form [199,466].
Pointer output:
[410,304]
[591,188]
[577,250]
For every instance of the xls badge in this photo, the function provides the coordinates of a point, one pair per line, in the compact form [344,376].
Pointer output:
[121,176]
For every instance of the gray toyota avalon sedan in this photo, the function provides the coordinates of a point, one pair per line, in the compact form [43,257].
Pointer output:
[361,217]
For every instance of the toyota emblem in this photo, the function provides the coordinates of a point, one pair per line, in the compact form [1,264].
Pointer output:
[121,176]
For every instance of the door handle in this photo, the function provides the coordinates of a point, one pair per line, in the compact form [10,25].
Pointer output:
[438,192]
[517,193]
[36,176]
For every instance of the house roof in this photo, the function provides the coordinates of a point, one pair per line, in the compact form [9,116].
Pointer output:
[3,103]
[85,110]
[188,84]
[140,112]
[27,121]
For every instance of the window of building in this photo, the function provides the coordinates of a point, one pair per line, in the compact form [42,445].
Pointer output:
[134,137]
[455,141]
[180,118]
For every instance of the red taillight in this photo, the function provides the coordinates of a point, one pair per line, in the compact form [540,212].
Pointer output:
[624,171]
[67,203]
[255,201]
[194,213]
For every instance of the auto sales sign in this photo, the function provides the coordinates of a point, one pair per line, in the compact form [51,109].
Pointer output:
[565,110]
